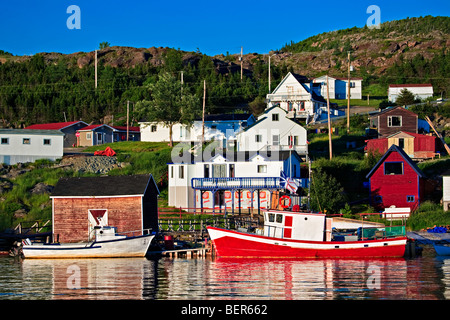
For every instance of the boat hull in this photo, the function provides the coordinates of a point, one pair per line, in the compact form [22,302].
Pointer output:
[229,243]
[442,250]
[121,248]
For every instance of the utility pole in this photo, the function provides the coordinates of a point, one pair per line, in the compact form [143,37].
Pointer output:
[95,69]
[203,113]
[241,58]
[128,117]
[182,82]
[348,95]
[270,89]
[329,120]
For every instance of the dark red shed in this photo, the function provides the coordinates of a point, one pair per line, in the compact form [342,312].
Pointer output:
[396,181]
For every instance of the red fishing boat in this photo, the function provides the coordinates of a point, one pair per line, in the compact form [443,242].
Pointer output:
[288,234]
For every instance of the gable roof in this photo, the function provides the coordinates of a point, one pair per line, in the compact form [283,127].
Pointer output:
[54,125]
[395,148]
[113,128]
[102,186]
[392,109]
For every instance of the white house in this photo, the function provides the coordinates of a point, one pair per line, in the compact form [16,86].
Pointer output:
[420,91]
[235,180]
[217,127]
[23,145]
[273,130]
[446,191]
[295,94]
[68,128]
[338,87]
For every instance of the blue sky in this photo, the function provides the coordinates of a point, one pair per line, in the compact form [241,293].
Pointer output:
[32,26]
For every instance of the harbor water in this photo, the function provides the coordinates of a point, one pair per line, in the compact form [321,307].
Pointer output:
[421,278]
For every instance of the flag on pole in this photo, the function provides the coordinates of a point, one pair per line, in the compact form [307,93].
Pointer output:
[288,183]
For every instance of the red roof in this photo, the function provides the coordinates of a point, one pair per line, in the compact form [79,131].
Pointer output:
[410,85]
[52,126]
[119,128]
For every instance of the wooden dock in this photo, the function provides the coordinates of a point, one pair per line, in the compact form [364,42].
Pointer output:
[181,253]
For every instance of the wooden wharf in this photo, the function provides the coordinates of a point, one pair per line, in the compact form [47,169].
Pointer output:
[179,253]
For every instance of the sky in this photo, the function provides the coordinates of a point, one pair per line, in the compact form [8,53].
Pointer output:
[28,27]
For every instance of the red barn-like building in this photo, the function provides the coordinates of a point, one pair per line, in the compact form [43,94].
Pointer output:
[416,146]
[396,181]
[128,203]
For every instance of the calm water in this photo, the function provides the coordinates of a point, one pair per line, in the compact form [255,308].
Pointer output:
[424,278]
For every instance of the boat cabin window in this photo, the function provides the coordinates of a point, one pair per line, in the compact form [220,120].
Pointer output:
[275,218]
[271,217]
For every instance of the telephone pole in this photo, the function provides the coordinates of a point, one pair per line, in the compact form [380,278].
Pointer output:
[95,69]
[329,121]
[269,75]
[203,112]
[348,95]
[242,68]
[128,117]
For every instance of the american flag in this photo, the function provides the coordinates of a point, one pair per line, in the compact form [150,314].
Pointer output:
[288,183]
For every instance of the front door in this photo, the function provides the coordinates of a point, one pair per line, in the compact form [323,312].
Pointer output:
[99,138]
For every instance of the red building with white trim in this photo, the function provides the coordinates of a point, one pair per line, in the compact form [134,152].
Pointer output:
[396,181]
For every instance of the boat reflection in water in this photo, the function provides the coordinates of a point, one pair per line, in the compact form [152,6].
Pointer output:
[424,278]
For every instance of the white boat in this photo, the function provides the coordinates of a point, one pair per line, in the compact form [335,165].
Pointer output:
[107,244]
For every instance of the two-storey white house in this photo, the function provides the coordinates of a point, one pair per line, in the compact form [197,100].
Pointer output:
[222,127]
[338,87]
[295,95]
[28,145]
[420,91]
[232,181]
[274,130]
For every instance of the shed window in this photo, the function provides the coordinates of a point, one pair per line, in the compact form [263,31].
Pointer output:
[5,140]
[47,142]
[393,168]
[153,128]
[394,121]
[410,198]
[26,141]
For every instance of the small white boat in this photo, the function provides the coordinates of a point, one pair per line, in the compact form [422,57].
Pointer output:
[107,244]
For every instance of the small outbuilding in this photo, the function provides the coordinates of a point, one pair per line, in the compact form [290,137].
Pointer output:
[128,203]
[396,181]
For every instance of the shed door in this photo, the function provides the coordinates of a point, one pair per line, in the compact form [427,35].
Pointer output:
[97,217]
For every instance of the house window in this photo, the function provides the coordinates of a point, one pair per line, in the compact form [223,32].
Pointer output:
[276,140]
[393,168]
[258,138]
[275,117]
[47,142]
[88,136]
[262,168]
[171,171]
[181,172]
[206,171]
[410,198]
[378,199]
[5,140]
[26,141]
[394,121]
[153,128]
[352,85]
